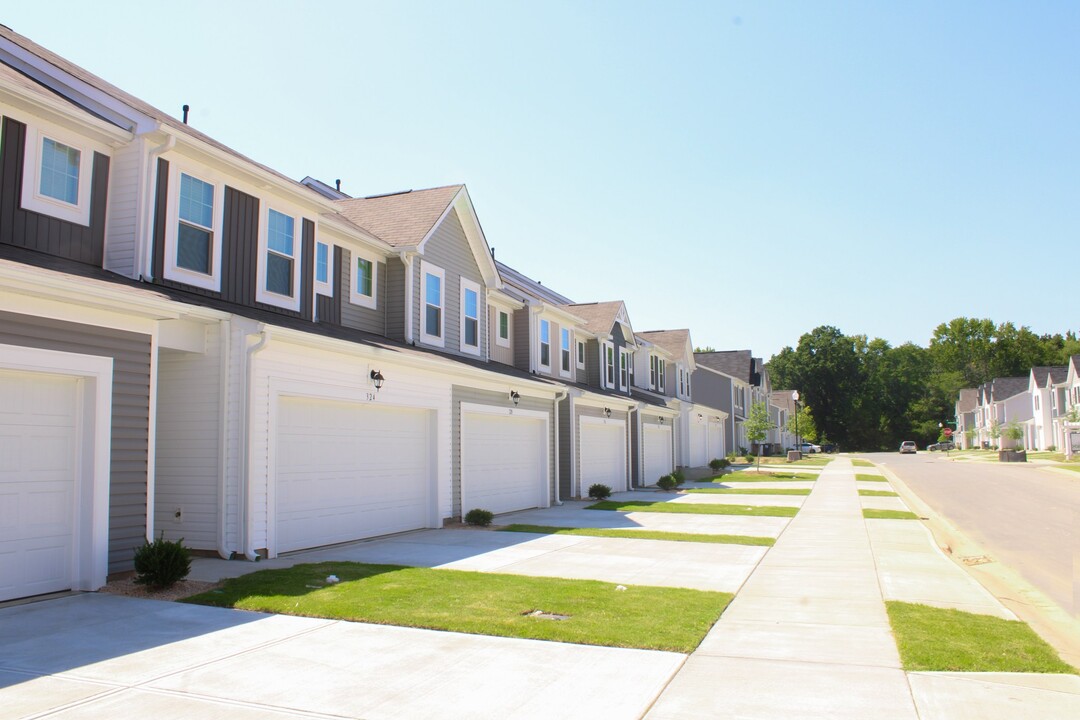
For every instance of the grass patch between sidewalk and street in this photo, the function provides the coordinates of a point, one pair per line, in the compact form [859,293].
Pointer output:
[859,462]
[807,461]
[932,639]
[642,534]
[867,477]
[748,476]
[750,491]
[694,508]
[596,613]
[877,493]
[874,514]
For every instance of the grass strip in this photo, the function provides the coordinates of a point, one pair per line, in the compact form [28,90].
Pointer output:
[867,477]
[651,618]
[874,514]
[806,461]
[859,462]
[940,639]
[694,508]
[744,476]
[877,493]
[642,534]
[1074,468]
[750,491]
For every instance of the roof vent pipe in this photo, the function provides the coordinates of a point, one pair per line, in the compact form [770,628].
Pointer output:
[186,108]
[337,184]
[493,253]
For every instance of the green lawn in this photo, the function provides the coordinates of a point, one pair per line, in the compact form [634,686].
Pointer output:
[694,508]
[859,462]
[750,491]
[642,534]
[807,461]
[936,639]
[745,476]
[652,618]
[870,478]
[872,514]
[877,493]
[1069,466]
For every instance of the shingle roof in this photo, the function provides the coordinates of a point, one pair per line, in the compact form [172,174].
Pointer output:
[401,219]
[736,363]
[599,317]
[1005,388]
[782,399]
[969,398]
[1056,374]
[529,286]
[673,341]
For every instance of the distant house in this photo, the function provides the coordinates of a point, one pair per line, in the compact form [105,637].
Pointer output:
[966,405]
[1001,402]
[1066,397]
[1039,431]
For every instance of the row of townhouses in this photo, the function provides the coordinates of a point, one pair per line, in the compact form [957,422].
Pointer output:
[194,345]
[1044,404]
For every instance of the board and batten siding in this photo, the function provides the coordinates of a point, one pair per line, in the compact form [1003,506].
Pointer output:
[372,320]
[44,233]
[130,414]
[497,399]
[449,249]
[188,460]
[121,226]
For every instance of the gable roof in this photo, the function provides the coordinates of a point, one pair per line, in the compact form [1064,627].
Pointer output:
[402,219]
[735,363]
[673,341]
[599,317]
[1045,376]
[1005,388]
[969,398]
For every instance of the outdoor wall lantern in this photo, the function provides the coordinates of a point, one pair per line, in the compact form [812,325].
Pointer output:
[515,397]
[661,420]
[607,412]
[377,378]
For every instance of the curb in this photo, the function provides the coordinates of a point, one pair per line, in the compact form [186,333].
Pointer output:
[1046,618]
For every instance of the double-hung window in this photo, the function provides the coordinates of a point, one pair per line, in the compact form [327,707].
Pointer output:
[545,344]
[193,229]
[660,370]
[324,268]
[624,369]
[503,336]
[434,296]
[654,363]
[580,354]
[470,317]
[609,365]
[59,171]
[363,280]
[564,350]
[279,255]
[682,383]
[56,175]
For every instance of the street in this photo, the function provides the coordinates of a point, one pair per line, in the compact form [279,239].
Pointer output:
[1024,517]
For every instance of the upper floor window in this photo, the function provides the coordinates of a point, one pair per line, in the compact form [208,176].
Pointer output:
[688,393]
[660,370]
[580,354]
[682,383]
[609,365]
[545,344]
[279,252]
[470,316]
[323,264]
[193,229]
[624,369]
[60,171]
[1036,402]
[364,283]
[434,299]
[564,351]
[56,175]
[503,337]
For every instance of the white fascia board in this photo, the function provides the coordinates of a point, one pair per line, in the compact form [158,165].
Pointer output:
[60,112]
[348,237]
[559,314]
[474,233]
[501,300]
[38,282]
[584,397]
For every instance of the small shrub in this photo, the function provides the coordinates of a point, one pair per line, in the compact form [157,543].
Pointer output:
[744,451]
[162,563]
[599,491]
[479,518]
[750,459]
[666,482]
[1051,448]
[679,477]
[718,464]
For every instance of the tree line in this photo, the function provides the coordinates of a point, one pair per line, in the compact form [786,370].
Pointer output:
[868,395]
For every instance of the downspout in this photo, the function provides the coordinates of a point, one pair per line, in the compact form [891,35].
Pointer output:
[224,345]
[407,261]
[245,427]
[144,240]
[558,399]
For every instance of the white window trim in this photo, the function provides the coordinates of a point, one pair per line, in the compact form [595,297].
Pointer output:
[172,271]
[661,370]
[426,269]
[288,302]
[324,288]
[467,285]
[570,348]
[608,362]
[624,368]
[579,348]
[373,302]
[540,344]
[499,339]
[32,199]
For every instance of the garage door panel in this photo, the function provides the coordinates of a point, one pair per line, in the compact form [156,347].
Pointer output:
[347,471]
[698,440]
[504,462]
[603,456]
[657,447]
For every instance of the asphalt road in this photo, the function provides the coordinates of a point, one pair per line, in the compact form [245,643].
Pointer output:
[1024,517]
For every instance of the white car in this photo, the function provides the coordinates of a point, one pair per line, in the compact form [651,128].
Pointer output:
[809,448]
[908,446]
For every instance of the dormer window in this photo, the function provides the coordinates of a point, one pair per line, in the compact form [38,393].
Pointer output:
[431,331]
[653,372]
[609,365]
[502,338]
[624,369]
[545,344]
[470,317]
[660,371]
[56,175]
[564,351]
[580,354]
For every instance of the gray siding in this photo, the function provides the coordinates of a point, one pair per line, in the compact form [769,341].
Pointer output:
[497,352]
[592,363]
[566,429]
[715,391]
[45,233]
[362,318]
[574,428]
[498,399]
[522,341]
[395,295]
[130,419]
[449,249]
[328,309]
[636,452]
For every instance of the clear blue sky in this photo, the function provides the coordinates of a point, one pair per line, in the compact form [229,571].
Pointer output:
[749,170]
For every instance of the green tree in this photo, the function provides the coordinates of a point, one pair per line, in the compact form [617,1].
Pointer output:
[757,426]
[805,428]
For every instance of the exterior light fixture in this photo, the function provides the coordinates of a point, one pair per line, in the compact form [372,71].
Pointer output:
[607,412]
[700,416]
[661,419]
[515,397]
[377,378]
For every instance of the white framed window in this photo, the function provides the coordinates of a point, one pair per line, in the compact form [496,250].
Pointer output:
[564,351]
[545,344]
[660,370]
[196,205]
[324,268]
[279,259]
[581,354]
[654,365]
[609,365]
[688,394]
[364,280]
[470,317]
[624,369]
[502,337]
[57,170]
[433,292]
[682,384]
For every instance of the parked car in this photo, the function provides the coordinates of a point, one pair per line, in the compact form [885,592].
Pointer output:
[908,446]
[830,448]
[809,448]
[943,446]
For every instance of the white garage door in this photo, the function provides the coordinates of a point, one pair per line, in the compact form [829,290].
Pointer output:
[698,440]
[658,460]
[603,455]
[716,439]
[347,471]
[37,483]
[504,462]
